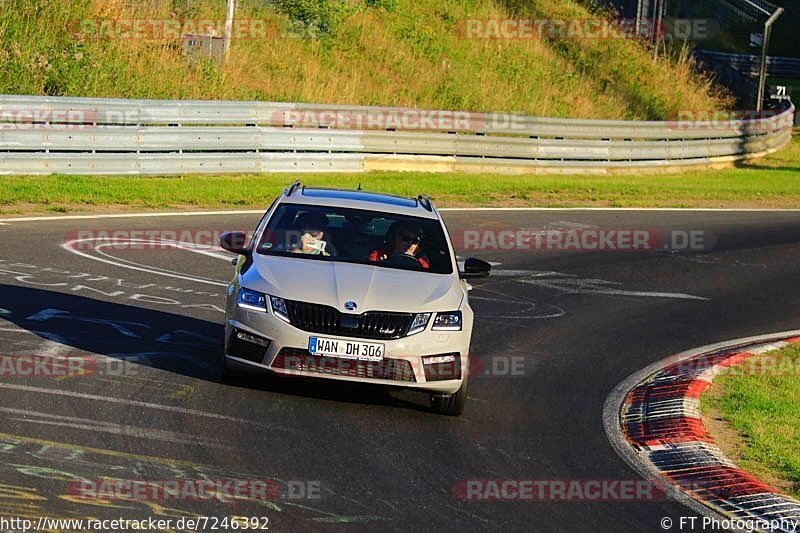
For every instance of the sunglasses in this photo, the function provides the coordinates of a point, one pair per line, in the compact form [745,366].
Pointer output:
[409,238]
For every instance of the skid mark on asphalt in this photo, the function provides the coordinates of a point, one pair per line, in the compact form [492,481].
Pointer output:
[528,309]
[716,260]
[501,292]
[121,326]
[573,285]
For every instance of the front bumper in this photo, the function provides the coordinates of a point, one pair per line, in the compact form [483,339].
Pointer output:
[255,340]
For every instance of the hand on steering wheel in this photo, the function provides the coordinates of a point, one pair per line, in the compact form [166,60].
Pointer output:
[403,260]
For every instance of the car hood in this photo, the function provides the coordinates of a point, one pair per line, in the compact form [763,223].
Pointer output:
[372,288]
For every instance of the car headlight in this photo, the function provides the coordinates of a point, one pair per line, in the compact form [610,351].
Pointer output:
[252,300]
[279,308]
[419,323]
[449,321]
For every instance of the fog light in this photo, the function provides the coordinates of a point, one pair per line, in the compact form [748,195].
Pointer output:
[252,339]
[247,346]
[449,358]
[442,367]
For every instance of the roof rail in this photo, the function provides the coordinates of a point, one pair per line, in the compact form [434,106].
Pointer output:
[425,202]
[292,188]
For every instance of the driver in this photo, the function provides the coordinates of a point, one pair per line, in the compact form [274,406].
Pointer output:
[402,239]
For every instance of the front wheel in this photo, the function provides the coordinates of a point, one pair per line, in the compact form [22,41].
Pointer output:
[451,404]
[225,372]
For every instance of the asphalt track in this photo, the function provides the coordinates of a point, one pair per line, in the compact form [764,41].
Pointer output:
[580,322]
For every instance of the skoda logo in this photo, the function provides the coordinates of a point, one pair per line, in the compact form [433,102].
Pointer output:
[350,305]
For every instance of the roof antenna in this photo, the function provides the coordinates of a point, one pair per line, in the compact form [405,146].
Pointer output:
[359,186]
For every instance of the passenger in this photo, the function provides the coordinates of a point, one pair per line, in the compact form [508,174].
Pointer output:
[402,240]
[312,227]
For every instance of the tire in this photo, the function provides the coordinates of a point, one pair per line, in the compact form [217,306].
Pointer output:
[451,404]
[226,375]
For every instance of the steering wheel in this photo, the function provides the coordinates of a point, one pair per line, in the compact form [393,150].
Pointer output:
[403,261]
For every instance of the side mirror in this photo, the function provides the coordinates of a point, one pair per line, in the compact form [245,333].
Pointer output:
[475,268]
[235,241]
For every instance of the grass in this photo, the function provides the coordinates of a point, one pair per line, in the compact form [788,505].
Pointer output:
[763,409]
[770,182]
[372,52]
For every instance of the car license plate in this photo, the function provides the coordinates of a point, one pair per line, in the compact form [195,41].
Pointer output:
[363,351]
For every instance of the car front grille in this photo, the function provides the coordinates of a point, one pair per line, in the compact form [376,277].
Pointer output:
[300,360]
[370,325]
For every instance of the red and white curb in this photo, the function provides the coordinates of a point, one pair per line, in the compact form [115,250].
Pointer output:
[653,421]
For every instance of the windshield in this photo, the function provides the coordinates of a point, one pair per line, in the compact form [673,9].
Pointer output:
[357,236]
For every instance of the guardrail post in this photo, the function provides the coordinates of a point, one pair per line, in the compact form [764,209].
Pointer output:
[762,74]
[231,7]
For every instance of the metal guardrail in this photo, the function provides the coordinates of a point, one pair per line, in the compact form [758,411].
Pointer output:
[750,64]
[40,135]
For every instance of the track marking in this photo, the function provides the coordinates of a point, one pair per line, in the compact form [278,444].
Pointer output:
[137,403]
[215,255]
[23,415]
[181,245]
[69,247]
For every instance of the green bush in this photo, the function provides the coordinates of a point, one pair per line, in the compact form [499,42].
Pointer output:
[319,17]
